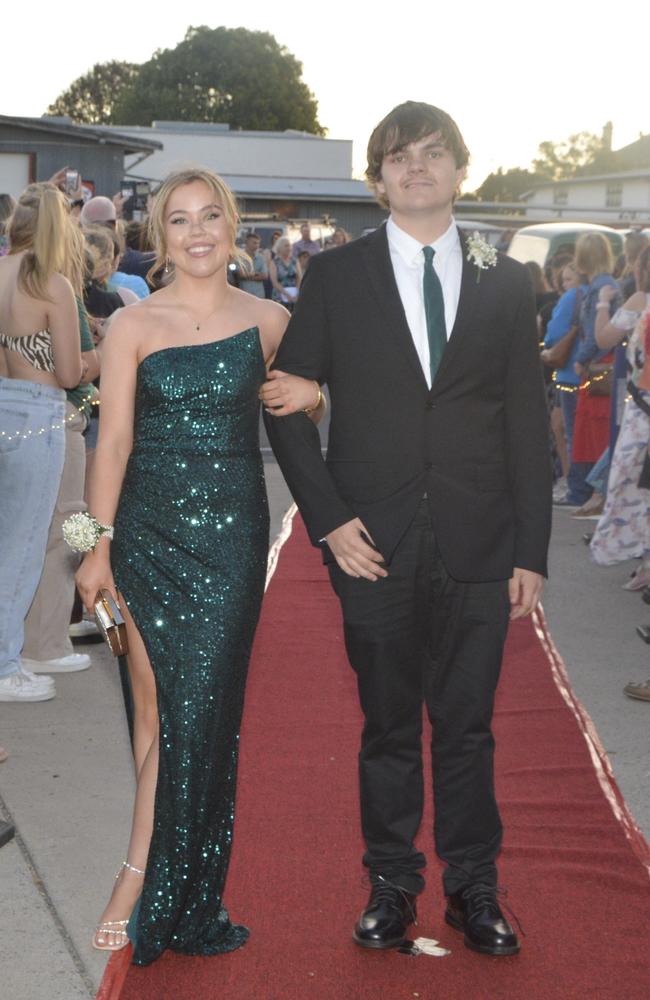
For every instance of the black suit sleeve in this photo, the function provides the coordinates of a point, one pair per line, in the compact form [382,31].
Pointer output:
[295,440]
[527,436]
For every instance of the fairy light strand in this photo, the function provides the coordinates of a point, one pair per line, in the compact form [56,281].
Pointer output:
[83,409]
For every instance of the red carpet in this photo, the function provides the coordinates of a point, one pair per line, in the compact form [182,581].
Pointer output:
[577,876]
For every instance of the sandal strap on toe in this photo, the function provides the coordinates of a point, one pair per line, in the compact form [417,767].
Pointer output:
[111,935]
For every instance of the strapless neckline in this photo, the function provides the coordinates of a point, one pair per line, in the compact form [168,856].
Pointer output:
[207,343]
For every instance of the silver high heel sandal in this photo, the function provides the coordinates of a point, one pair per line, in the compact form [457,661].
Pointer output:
[111,934]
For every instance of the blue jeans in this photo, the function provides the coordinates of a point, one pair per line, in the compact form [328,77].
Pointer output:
[578,489]
[600,473]
[30,472]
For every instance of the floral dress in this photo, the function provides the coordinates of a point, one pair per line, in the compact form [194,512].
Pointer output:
[623,531]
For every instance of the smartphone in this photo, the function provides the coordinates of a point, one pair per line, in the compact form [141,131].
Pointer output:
[72,181]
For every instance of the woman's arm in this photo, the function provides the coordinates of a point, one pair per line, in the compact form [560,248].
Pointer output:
[89,356]
[606,333]
[273,275]
[298,274]
[562,318]
[63,324]
[283,394]
[119,371]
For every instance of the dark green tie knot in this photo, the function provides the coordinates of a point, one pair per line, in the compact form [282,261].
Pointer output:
[429,254]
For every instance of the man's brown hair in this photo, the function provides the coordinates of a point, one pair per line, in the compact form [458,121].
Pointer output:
[410,122]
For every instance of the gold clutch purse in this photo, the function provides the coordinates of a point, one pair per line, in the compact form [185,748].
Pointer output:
[111,623]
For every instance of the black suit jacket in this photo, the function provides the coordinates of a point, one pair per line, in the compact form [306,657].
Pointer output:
[476,443]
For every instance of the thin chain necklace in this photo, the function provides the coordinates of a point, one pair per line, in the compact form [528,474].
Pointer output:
[199,323]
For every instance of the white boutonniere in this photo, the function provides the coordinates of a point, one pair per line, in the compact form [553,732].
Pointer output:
[82,532]
[481,253]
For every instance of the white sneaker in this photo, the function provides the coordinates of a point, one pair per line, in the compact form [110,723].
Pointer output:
[42,679]
[21,687]
[84,630]
[64,664]
[560,489]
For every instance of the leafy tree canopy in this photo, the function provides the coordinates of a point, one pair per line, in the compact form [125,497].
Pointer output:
[506,185]
[90,100]
[581,154]
[232,75]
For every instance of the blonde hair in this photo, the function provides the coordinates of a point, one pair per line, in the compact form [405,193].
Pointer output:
[594,255]
[102,246]
[221,192]
[40,225]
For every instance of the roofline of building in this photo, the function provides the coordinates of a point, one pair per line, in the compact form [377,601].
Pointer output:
[218,131]
[587,178]
[102,134]
[257,189]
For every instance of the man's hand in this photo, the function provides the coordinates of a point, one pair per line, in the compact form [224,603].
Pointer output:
[524,590]
[353,554]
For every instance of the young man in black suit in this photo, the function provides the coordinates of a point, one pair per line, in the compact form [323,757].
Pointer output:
[432,509]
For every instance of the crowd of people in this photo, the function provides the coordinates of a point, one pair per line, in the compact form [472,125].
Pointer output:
[276,272]
[594,321]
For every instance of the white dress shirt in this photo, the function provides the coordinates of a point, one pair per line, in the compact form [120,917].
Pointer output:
[408,265]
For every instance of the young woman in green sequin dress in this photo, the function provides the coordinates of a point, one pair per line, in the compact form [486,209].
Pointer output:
[179,473]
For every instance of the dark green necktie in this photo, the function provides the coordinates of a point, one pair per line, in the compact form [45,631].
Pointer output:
[434,310]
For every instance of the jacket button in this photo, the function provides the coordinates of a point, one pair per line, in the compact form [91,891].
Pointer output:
[430,405]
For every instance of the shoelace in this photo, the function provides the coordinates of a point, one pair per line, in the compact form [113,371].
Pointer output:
[486,895]
[384,891]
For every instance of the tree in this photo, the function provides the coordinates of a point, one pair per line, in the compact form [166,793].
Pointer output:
[244,78]
[508,185]
[91,99]
[582,153]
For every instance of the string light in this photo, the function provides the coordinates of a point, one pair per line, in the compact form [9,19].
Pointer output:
[83,409]
[583,385]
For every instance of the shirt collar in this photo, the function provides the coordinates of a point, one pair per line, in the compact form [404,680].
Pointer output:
[410,249]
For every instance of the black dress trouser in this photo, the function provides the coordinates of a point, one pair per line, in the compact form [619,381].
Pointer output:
[419,636]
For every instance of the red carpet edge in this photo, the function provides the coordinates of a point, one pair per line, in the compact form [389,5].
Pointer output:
[597,752]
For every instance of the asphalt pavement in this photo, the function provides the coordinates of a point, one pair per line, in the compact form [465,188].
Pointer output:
[68,784]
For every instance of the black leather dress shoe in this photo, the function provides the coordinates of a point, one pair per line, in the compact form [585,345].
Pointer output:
[475,911]
[389,912]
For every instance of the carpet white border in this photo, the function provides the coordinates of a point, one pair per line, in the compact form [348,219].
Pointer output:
[597,752]
[283,536]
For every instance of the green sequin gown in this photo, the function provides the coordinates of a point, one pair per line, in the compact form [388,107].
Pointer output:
[189,556]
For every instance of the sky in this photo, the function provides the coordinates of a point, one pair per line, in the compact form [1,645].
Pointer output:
[510,73]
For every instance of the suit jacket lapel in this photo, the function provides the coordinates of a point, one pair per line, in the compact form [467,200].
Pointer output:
[382,278]
[469,288]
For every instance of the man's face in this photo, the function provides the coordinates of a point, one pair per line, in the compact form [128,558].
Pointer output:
[420,178]
[252,245]
[305,232]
